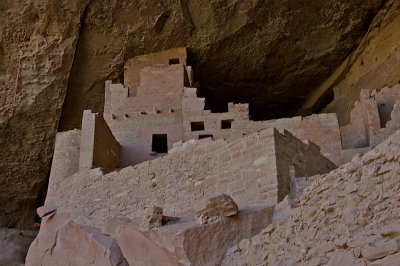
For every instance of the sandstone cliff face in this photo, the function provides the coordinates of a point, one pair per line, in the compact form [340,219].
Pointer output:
[37,45]
[269,53]
[373,65]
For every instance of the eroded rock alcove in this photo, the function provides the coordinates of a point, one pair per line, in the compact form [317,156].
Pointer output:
[282,57]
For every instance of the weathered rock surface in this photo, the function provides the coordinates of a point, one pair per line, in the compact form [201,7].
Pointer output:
[216,208]
[46,210]
[185,242]
[125,242]
[14,244]
[153,217]
[258,50]
[37,46]
[62,242]
[347,217]
[372,66]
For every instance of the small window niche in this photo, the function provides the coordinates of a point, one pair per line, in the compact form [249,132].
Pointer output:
[197,126]
[206,136]
[226,124]
[159,143]
[174,61]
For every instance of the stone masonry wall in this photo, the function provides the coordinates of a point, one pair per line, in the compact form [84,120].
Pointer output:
[98,146]
[294,159]
[391,126]
[193,111]
[323,129]
[155,110]
[245,169]
[134,65]
[371,113]
[66,155]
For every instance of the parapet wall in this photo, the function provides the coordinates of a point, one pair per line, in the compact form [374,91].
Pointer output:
[98,147]
[245,169]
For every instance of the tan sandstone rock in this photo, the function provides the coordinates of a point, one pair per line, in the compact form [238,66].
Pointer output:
[184,241]
[46,210]
[216,208]
[37,47]
[153,217]
[62,242]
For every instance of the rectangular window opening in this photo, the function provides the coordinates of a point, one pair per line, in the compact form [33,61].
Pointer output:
[197,126]
[225,124]
[159,143]
[206,136]
[174,61]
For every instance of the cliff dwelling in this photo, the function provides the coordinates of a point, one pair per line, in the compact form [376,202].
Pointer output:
[155,137]
[200,133]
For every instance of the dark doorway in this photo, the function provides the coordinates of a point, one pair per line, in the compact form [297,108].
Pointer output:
[225,124]
[197,126]
[174,61]
[206,136]
[159,143]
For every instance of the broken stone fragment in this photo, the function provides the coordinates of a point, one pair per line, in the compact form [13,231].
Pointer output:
[46,210]
[281,210]
[153,217]
[216,208]
[380,249]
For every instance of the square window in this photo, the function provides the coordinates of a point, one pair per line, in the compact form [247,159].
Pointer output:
[174,61]
[159,143]
[206,136]
[225,124]
[197,126]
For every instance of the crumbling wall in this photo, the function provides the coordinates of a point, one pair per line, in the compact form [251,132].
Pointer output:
[322,129]
[385,99]
[391,126]
[98,147]
[177,182]
[216,125]
[295,159]
[245,169]
[371,113]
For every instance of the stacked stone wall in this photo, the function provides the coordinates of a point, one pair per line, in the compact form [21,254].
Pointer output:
[157,109]
[245,169]
[134,65]
[66,155]
[294,159]
[370,116]
[98,147]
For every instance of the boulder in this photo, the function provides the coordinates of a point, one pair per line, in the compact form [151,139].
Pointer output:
[153,217]
[72,244]
[216,208]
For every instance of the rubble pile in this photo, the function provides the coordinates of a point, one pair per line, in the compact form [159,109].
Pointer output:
[347,217]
